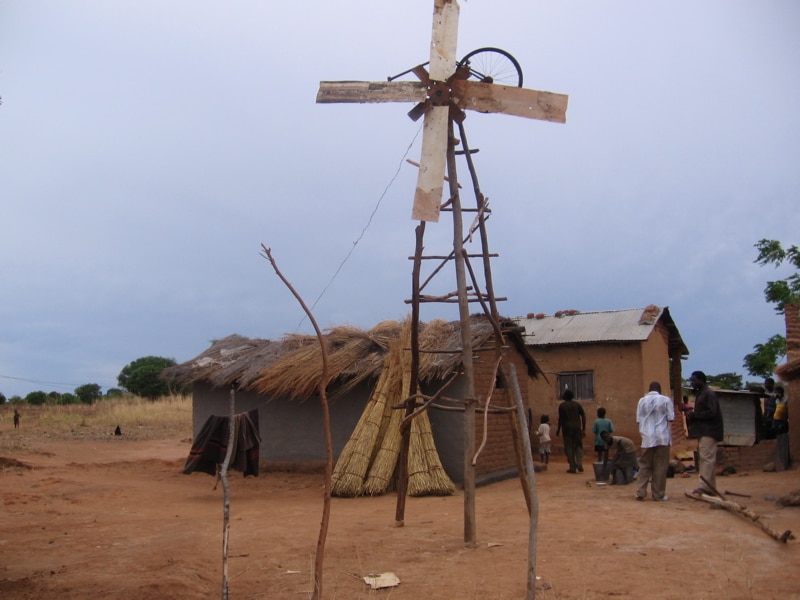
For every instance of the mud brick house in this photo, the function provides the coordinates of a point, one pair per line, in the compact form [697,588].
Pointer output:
[608,359]
[280,379]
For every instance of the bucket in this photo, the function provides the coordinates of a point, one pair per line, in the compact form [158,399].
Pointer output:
[600,473]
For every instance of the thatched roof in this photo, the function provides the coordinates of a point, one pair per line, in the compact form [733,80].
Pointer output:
[292,366]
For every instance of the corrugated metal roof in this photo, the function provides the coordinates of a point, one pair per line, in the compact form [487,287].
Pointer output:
[603,326]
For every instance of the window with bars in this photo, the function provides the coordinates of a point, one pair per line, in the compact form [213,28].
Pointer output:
[581,384]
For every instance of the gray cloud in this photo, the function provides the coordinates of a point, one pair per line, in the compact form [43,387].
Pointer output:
[150,148]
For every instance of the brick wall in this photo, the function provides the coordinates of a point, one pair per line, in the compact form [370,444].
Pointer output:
[746,458]
[678,428]
[792,318]
[498,453]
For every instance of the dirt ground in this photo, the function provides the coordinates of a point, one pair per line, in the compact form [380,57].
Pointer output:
[114,518]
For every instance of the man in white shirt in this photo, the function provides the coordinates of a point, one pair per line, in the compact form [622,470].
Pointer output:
[653,415]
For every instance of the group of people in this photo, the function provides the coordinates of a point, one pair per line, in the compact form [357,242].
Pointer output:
[654,412]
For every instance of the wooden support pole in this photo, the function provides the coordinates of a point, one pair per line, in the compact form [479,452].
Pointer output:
[533,502]
[226,491]
[411,401]
[470,535]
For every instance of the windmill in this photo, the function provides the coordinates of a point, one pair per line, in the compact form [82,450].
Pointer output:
[442,92]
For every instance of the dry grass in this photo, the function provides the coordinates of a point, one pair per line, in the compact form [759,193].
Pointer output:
[169,417]
[368,462]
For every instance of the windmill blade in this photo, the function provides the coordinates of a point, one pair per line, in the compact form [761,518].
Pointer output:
[520,102]
[430,181]
[419,110]
[444,38]
[331,92]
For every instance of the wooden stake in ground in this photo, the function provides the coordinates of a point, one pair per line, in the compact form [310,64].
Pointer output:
[534,501]
[322,388]
[226,492]
[743,511]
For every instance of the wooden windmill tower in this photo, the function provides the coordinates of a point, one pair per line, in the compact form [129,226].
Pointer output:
[442,93]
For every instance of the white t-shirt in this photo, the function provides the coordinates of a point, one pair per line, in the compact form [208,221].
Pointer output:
[543,432]
[653,415]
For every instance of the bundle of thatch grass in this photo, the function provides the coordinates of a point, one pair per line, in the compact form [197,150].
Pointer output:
[426,475]
[378,436]
[382,470]
[354,461]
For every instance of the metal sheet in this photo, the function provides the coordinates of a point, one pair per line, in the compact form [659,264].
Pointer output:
[605,326]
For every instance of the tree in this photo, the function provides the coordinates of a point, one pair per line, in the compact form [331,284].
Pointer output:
[114,393]
[36,398]
[88,392]
[782,292]
[2,398]
[142,377]
[69,399]
[764,359]
[726,381]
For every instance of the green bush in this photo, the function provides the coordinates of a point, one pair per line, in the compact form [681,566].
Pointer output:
[36,398]
[88,393]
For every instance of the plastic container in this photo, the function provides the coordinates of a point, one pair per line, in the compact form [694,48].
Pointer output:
[600,473]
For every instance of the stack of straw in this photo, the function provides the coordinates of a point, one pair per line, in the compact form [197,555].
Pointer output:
[368,461]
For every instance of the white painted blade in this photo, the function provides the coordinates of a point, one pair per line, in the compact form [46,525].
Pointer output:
[430,181]
[444,38]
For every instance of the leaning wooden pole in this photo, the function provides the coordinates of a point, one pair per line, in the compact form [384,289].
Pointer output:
[490,304]
[326,425]
[226,491]
[533,504]
[481,204]
[411,402]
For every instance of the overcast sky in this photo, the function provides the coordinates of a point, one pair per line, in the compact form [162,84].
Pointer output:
[149,148]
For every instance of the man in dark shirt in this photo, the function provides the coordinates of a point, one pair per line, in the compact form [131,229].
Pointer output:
[572,420]
[705,424]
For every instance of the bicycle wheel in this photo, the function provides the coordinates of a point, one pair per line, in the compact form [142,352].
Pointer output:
[493,65]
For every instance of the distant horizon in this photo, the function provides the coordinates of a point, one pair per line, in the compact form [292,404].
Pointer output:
[746,379]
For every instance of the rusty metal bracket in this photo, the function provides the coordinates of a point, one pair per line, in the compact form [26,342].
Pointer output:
[439,93]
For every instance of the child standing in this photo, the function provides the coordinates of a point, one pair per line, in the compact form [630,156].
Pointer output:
[601,424]
[544,438]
